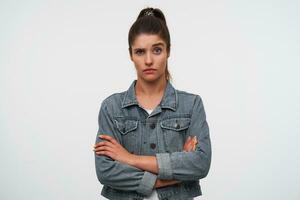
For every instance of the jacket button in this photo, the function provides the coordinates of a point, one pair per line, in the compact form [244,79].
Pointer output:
[152,145]
[177,126]
[152,126]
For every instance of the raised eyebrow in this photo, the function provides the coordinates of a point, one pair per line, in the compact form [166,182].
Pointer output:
[158,44]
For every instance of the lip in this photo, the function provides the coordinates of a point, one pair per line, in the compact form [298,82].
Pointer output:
[150,70]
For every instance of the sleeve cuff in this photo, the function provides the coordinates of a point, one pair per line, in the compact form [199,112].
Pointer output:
[147,183]
[164,166]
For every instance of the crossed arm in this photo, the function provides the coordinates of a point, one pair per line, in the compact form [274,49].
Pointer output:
[119,169]
[111,148]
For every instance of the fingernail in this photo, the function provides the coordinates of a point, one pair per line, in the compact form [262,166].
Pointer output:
[100,136]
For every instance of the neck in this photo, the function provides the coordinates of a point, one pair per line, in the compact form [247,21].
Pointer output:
[149,89]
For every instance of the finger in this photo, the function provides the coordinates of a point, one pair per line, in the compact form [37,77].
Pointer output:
[99,144]
[195,141]
[105,153]
[101,152]
[104,143]
[103,148]
[109,138]
[191,145]
[187,141]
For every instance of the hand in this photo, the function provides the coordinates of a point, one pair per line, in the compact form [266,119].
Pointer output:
[110,147]
[190,144]
[162,183]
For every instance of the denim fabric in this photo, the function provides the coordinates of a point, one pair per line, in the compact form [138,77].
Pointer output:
[162,134]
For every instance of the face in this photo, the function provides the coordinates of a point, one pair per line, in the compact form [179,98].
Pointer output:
[149,55]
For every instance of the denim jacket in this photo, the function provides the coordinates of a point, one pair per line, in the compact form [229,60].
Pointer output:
[162,134]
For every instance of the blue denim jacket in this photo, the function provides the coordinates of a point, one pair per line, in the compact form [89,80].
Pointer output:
[162,134]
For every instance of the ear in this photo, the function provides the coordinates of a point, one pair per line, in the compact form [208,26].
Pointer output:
[130,54]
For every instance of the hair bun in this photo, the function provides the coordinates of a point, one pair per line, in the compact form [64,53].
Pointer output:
[149,12]
[155,12]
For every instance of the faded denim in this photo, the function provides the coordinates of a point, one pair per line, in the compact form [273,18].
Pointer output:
[161,134]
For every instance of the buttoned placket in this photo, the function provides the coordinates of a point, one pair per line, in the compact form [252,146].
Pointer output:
[150,145]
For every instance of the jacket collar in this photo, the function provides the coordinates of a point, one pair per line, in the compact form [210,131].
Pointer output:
[169,99]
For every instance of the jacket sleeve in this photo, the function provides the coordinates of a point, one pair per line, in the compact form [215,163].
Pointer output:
[115,174]
[192,165]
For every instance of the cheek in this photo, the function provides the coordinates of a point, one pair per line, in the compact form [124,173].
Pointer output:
[137,64]
[163,62]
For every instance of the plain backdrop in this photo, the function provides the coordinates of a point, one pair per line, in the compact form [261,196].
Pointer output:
[60,59]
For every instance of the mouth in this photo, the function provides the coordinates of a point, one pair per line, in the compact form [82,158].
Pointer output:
[150,70]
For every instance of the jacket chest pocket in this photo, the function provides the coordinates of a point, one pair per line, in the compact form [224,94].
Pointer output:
[174,133]
[128,131]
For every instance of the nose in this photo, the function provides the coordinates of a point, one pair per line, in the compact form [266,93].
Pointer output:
[148,59]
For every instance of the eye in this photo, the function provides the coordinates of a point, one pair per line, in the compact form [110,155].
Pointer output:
[157,50]
[139,52]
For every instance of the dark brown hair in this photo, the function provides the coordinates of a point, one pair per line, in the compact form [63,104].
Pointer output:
[151,21]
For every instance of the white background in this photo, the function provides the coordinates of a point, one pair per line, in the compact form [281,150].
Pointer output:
[60,59]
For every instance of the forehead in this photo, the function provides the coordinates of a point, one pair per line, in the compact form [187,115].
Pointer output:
[147,40]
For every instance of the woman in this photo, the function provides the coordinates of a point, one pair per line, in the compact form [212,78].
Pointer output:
[153,140]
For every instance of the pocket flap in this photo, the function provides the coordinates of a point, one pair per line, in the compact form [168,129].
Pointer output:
[176,124]
[126,126]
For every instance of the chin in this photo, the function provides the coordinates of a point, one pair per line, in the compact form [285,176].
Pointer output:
[150,78]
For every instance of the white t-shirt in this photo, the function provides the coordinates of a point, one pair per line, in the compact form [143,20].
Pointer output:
[153,195]
[149,111]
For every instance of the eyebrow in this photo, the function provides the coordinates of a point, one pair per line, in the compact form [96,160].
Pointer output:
[154,45]
[157,44]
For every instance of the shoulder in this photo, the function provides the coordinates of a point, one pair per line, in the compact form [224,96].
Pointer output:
[114,100]
[191,102]
[188,97]
[117,96]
